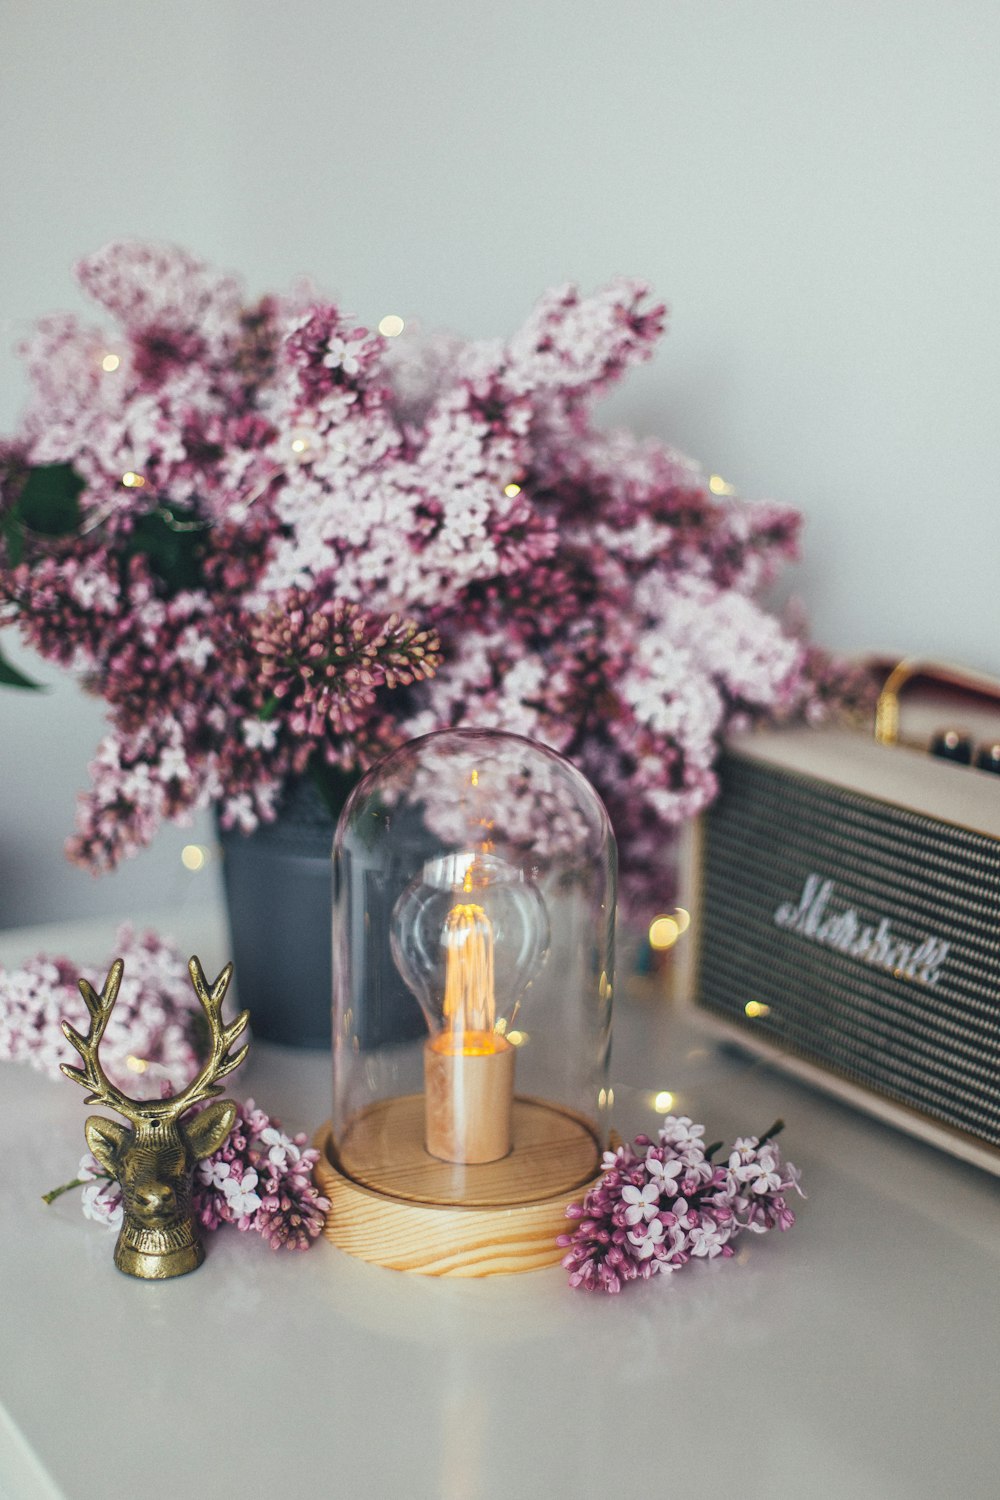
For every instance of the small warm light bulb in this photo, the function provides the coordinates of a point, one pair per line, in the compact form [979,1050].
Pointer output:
[469,935]
[110,363]
[137,1064]
[663,1102]
[756,1008]
[663,933]
[469,1064]
[391,326]
[719,486]
[510,490]
[304,444]
[194,856]
[132,481]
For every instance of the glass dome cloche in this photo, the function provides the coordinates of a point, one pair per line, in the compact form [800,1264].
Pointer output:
[473,952]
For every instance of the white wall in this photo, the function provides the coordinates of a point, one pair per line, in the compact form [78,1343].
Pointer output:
[813,187]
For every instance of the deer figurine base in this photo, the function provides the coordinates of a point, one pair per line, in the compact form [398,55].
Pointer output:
[155,1160]
[150,1265]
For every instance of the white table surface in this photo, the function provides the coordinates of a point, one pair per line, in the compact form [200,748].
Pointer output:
[854,1356]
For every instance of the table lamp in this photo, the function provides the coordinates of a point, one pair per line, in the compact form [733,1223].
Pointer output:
[474,916]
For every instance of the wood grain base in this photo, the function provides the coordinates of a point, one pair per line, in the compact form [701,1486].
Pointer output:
[517,1207]
[552,1151]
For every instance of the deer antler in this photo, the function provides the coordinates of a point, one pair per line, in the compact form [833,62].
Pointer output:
[221,1060]
[92,1076]
[205,1086]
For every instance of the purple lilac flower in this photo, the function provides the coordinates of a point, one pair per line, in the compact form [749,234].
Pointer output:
[101,1199]
[290,543]
[261,1180]
[152,1036]
[658,1205]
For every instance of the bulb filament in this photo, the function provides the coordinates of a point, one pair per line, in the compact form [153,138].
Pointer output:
[469,1000]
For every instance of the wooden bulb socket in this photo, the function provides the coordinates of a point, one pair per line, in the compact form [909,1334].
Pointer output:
[468,1097]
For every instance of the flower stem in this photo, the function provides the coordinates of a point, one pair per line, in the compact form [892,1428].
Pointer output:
[77,1182]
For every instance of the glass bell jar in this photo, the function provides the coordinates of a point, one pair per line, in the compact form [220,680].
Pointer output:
[474,921]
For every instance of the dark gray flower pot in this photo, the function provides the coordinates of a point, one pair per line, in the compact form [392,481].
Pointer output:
[278,884]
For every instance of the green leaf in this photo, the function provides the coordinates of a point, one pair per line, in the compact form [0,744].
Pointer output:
[49,502]
[174,546]
[10,676]
[13,535]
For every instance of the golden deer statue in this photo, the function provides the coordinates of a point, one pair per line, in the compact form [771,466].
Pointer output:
[155,1160]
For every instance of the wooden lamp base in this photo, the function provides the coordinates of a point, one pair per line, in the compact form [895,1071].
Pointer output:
[394,1204]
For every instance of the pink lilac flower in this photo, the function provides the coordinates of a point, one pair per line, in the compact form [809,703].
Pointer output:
[680,1132]
[101,1199]
[647,1239]
[657,1206]
[153,1032]
[663,1174]
[241,1200]
[274,541]
[323,665]
[642,1204]
[261,1180]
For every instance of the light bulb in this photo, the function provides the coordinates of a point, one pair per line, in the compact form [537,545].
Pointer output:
[468,936]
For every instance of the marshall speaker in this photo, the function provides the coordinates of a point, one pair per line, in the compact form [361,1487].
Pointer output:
[847,908]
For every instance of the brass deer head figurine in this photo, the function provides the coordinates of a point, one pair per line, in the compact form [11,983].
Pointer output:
[155,1160]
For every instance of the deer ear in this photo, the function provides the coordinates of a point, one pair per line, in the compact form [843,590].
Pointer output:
[207,1131]
[106,1139]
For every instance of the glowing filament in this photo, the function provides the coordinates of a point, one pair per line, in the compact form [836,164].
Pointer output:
[469,1001]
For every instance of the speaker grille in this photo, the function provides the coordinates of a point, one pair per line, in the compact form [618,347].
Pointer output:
[933,1046]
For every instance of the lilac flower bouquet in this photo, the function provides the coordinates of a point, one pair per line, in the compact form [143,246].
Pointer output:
[278,544]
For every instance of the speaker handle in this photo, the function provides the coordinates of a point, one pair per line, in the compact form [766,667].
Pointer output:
[887,707]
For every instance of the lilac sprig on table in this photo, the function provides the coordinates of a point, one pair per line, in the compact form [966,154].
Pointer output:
[153,1036]
[659,1204]
[259,1180]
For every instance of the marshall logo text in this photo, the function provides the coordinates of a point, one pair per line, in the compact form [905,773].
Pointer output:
[848,933]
